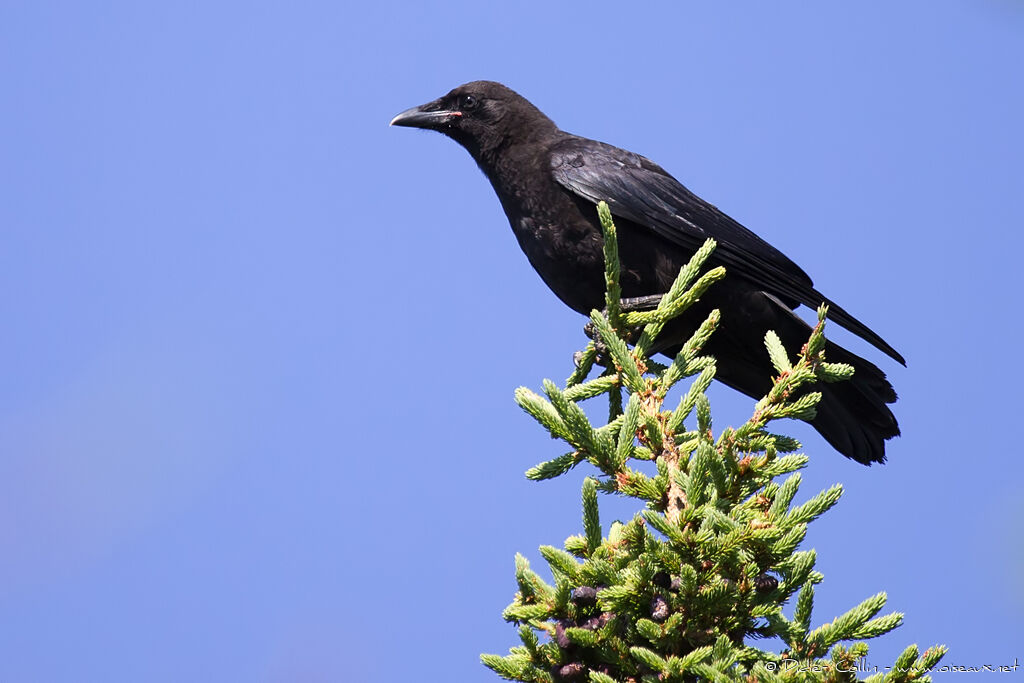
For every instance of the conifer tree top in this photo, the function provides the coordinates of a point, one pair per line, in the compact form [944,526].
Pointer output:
[707,571]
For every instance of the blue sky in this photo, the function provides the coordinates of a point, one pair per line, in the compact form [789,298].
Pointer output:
[259,350]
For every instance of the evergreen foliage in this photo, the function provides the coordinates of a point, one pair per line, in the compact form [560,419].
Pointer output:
[679,592]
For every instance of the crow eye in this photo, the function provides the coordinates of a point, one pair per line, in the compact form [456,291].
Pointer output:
[467,103]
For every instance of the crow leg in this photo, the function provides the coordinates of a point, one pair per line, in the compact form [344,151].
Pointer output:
[637,303]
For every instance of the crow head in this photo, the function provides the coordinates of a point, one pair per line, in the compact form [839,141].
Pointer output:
[482,116]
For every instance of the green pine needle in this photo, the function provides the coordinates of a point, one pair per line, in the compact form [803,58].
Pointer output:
[591,518]
[777,352]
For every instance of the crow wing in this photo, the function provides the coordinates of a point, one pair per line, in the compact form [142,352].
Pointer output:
[640,191]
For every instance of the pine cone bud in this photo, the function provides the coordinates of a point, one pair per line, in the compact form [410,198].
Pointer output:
[584,596]
[659,608]
[560,638]
[765,583]
[572,671]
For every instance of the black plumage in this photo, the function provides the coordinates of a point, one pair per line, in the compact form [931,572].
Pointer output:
[549,182]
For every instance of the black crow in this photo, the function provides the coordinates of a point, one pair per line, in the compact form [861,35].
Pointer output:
[549,182]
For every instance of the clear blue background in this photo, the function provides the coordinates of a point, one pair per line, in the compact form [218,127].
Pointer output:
[258,349]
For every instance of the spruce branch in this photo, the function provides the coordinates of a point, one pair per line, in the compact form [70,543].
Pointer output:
[713,561]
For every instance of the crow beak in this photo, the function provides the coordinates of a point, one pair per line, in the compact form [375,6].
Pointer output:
[425,116]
